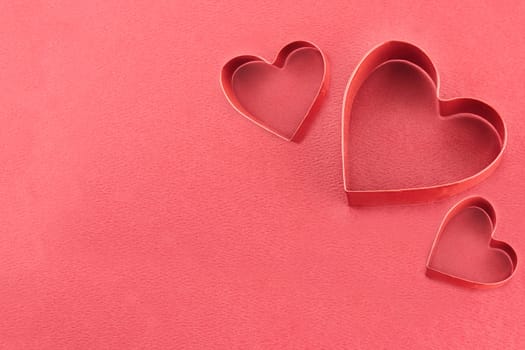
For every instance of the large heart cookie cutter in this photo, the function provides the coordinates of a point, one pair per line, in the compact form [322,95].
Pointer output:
[402,51]
[229,69]
[487,208]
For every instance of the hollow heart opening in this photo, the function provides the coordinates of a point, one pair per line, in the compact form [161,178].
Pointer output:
[280,98]
[463,249]
[397,139]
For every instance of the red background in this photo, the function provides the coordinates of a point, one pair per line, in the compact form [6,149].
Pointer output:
[139,210]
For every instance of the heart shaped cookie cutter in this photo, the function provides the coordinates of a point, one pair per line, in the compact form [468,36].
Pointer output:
[488,209]
[233,65]
[402,51]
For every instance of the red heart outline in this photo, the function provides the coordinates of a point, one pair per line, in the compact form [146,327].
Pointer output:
[402,51]
[229,69]
[483,204]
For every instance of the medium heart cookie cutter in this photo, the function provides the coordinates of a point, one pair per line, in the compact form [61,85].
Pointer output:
[229,69]
[402,51]
[487,208]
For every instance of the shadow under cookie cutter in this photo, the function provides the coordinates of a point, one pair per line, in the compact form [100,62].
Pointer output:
[233,65]
[402,51]
[488,209]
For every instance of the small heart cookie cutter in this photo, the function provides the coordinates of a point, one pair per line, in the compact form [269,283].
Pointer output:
[229,69]
[403,51]
[488,209]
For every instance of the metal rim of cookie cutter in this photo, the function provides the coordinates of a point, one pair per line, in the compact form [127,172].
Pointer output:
[233,65]
[403,51]
[484,205]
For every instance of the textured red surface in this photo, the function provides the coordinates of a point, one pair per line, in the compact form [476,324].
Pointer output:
[139,210]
